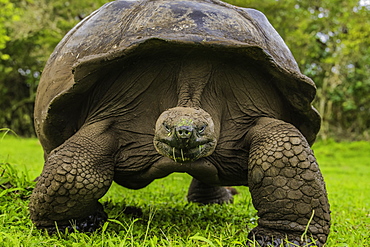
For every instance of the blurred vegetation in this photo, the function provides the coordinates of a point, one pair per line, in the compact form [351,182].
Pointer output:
[329,39]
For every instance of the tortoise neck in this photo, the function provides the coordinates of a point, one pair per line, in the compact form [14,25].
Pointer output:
[193,76]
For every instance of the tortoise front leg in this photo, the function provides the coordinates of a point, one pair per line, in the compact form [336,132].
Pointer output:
[286,185]
[75,176]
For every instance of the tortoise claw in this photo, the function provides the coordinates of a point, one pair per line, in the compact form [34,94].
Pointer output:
[89,224]
[266,237]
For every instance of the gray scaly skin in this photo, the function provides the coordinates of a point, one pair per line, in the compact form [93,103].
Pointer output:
[75,176]
[286,185]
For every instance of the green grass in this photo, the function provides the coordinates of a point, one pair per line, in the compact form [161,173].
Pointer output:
[346,168]
[167,219]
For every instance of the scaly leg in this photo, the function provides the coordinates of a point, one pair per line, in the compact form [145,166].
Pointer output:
[207,194]
[75,175]
[286,185]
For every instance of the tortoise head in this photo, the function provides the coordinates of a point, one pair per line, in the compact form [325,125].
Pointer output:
[185,134]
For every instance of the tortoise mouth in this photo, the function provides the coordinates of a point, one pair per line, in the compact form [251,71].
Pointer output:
[182,154]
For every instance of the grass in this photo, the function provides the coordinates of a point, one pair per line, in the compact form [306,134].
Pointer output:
[167,219]
[346,168]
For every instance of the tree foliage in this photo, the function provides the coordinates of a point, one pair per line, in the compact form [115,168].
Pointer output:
[329,40]
[7,11]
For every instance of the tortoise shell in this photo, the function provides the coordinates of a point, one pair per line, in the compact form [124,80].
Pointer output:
[127,28]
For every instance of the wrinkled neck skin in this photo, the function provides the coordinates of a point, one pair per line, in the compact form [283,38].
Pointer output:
[193,78]
[187,133]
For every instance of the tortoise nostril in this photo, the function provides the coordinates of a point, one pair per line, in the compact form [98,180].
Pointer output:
[184,131]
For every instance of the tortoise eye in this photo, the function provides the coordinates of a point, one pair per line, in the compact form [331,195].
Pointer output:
[202,129]
[167,127]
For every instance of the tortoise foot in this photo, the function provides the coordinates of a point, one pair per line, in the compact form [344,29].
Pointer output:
[133,211]
[89,224]
[207,194]
[269,237]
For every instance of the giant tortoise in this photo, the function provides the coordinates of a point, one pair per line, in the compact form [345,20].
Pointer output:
[144,88]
